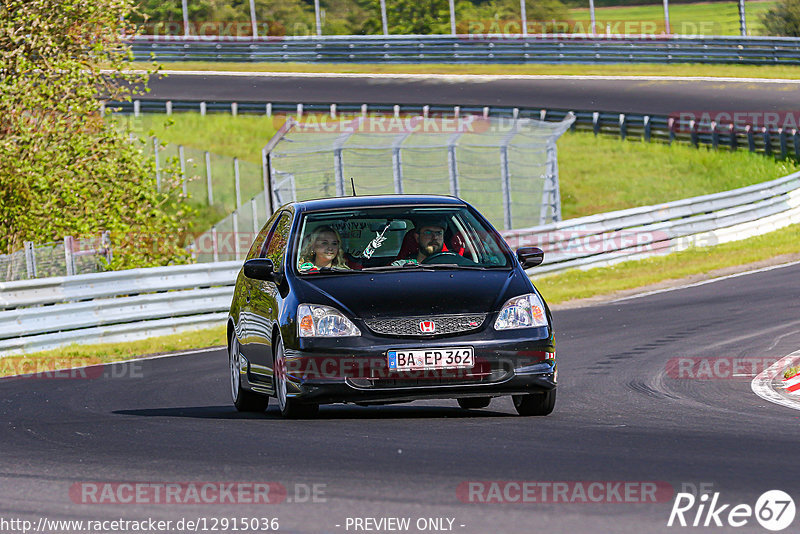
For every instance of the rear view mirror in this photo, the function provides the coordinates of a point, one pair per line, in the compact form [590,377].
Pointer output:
[530,256]
[260,269]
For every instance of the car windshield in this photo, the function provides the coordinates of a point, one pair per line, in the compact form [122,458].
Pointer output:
[397,238]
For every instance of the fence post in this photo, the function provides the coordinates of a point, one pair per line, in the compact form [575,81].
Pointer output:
[714,135]
[266,177]
[751,140]
[796,143]
[254,209]
[671,129]
[182,158]
[397,170]
[168,107]
[69,258]
[236,251]
[236,183]
[452,165]
[338,169]
[105,239]
[158,164]
[268,109]
[234,108]
[203,109]
[623,127]
[214,247]
[209,185]
[505,185]
[595,122]
[333,111]
[732,140]
[693,132]
[646,123]
[137,108]
[30,259]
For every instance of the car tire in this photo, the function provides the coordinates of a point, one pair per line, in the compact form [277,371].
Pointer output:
[290,408]
[535,403]
[474,403]
[245,401]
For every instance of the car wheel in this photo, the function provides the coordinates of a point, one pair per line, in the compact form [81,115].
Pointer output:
[290,408]
[473,403]
[535,403]
[245,401]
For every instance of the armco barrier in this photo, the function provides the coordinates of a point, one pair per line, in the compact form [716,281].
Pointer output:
[489,48]
[125,305]
[780,142]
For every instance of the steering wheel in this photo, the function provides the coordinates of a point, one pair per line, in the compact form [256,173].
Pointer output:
[448,257]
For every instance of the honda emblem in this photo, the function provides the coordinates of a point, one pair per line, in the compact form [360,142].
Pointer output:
[427,327]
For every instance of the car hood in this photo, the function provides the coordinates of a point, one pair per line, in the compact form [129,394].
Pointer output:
[375,295]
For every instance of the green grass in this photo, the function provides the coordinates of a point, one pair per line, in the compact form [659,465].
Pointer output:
[639,69]
[597,174]
[718,18]
[575,284]
[82,355]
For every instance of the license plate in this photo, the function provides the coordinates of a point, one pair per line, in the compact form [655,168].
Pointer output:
[419,359]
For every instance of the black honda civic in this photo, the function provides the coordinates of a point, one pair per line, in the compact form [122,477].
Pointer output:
[388,299]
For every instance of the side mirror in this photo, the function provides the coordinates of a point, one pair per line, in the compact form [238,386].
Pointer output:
[260,269]
[530,256]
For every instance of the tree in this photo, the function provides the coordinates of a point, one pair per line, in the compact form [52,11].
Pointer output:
[783,19]
[64,170]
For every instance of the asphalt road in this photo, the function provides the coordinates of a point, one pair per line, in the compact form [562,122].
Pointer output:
[631,96]
[620,416]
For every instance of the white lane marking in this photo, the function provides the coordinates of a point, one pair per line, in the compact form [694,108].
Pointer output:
[762,384]
[143,358]
[473,77]
[704,282]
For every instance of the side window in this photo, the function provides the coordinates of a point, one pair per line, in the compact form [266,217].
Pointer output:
[258,243]
[275,248]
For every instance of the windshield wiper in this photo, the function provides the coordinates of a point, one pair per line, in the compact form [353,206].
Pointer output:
[328,270]
[395,267]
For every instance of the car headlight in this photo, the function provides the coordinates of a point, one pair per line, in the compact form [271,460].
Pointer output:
[314,320]
[525,311]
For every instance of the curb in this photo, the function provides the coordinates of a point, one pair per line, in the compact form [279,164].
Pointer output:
[770,386]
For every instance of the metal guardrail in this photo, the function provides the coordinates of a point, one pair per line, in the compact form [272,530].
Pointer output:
[484,48]
[663,228]
[780,142]
[126,305]
[113,306]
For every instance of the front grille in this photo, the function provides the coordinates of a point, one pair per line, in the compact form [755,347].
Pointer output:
[480,377]
[410,326]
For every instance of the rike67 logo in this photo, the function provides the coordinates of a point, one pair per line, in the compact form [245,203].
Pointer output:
[774,510]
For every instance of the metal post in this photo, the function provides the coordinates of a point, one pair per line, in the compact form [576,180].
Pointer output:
[182,158]
[158,166]
[236,183]
[253,18]
[168,107]
[69,258]
[524,17]
[397,170]
[714,135]
[742,19]
[767,141]
[796,137]
[623,127]
[105,238]
[452,165]
[203,109]
[30,259]
[452,17]
[214,247]
[732,136]
[234,108]
[751,140]
[667,30]
[647,128]
[383,18]
[505,185]
[254,209]
[236,247]
[137,107]
[185,9]
[593,20]
[316,18]
[595,122]
[209,185]
[782,139]
[338,167]
[555,193]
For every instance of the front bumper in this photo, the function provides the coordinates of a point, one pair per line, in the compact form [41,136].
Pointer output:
[327,371]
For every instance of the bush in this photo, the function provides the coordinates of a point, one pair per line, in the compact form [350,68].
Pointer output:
[63,169]
[783,19]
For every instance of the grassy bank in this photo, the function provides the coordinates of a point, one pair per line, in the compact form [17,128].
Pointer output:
[639,69]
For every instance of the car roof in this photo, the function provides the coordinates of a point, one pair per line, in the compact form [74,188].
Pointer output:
[376,201]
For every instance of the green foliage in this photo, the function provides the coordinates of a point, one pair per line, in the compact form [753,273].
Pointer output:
[63,169]
[783,19]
